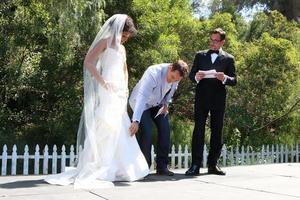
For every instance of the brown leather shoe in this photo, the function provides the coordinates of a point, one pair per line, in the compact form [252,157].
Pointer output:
[164,172]
[216,170]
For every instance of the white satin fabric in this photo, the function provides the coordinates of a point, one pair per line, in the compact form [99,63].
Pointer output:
[109,152]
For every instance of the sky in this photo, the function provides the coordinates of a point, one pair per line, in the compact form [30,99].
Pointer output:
[248,14]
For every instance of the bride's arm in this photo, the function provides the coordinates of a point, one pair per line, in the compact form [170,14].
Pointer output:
[91,58]
[125,64]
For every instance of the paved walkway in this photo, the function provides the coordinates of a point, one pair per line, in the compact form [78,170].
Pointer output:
[265,182]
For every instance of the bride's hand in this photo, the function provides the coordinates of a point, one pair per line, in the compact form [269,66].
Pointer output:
[110,87]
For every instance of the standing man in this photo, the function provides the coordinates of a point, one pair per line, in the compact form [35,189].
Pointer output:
[212,70]
[149,101]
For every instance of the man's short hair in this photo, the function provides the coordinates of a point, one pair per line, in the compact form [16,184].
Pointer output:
[220,32]
[181,67]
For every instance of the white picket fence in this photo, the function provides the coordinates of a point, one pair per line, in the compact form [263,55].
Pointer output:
[180,158]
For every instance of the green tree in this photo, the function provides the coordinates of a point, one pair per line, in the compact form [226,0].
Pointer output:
[276,25]
[268,71]
[42,50]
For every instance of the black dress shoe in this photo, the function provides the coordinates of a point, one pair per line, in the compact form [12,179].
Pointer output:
[216,170]
[193,170]
[165,172]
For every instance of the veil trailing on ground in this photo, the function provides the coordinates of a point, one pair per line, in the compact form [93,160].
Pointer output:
[111,33]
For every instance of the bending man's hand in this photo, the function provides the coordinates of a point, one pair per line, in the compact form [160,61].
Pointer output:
[133,128]
[165,110]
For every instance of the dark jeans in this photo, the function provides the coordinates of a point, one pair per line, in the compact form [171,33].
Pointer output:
[163,136]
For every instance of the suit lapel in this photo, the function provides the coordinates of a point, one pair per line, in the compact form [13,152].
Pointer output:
[208,61]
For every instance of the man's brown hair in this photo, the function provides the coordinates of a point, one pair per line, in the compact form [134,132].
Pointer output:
[181,67]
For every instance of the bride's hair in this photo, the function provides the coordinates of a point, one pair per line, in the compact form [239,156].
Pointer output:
[129,26]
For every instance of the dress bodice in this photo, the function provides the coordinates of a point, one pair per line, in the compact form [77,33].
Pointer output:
[112,69]
[113,65]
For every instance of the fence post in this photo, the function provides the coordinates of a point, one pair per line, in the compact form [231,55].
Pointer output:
[4,160]
[25,162]
[277,153]
[253,157]
[14,161]
[72,156]
[242,155]
[237,155]
[37,160]
[54,160]
[173,157]
[286,160]
[186,157]
[258,158]
[281,153]
[292,153]
[204,156]
[179,157]
[248,155]
[45,161]
[267,154]
[152,158]
[63,158]
[224,155]
[272,154]
[297,153]
[263,154]
[231,156]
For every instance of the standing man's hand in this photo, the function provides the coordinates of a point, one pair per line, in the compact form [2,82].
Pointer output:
[133,128]
[220,76]
[199,76]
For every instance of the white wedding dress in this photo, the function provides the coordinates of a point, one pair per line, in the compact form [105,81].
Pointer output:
[110,154]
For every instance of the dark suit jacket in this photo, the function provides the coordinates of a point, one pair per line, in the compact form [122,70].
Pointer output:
[211,92]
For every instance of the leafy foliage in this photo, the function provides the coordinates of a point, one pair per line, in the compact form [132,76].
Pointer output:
[43,44]
[267,75]
[42,50]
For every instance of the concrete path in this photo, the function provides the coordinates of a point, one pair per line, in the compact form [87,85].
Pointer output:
[265,182]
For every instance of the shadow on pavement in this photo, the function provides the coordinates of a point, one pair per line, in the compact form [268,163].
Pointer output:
[23,184]
[155,178]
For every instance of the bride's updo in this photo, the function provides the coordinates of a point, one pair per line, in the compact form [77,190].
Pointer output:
[129,26]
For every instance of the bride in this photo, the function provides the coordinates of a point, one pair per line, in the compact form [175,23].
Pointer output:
[109,152]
